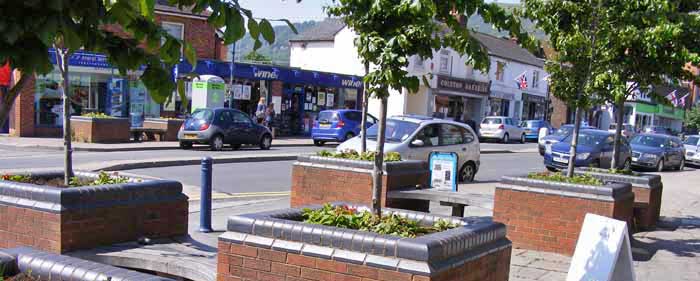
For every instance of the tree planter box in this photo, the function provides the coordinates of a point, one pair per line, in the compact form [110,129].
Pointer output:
[647,189]
[547,216]
[317,180]
[48,267]
[100,130]
[277,246]
[170,126]
[60,220]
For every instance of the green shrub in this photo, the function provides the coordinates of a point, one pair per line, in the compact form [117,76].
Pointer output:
[559,177]
[102,178]
[97,115]
[354,155]
[17,178]
[351,218]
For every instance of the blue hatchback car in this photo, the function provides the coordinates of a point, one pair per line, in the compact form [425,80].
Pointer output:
[532,128]
[338,125]
[595,148]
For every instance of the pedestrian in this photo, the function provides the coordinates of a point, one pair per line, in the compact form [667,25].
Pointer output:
[269,115]
[260,110]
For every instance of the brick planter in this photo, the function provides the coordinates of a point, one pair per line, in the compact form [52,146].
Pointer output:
[170,126]
[49,267]
[647,189]
[100,130]
[276,246]
[317,180]
[547,216]
[60,220]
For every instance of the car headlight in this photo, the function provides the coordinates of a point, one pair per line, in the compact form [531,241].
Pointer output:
[582,156]
[649,156]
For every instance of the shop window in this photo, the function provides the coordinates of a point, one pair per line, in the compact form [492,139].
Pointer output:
[535,79]
[500,70]
[49,108]
[450,135]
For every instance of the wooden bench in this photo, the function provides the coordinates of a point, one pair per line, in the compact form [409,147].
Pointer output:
[457,200]
[151,134]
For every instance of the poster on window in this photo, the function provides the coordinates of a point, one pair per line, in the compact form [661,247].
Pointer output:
[330,98]
[245,93]
[237,91]
[321,98]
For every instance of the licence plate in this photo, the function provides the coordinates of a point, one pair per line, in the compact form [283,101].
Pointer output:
[325,126]
[560,160]
[190,136]
[635,159]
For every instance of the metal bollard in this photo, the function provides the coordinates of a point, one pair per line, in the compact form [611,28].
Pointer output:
[205,205]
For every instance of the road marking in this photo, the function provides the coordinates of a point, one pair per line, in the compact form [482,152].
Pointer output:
[220,196]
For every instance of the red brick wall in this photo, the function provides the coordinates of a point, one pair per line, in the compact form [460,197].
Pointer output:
[108,131]
[239,262]
[315,185]
[75,230]
[22,124]
[550,223]
[647,206]
[559,112]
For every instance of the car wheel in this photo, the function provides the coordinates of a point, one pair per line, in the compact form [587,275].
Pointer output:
[522,138]
[266,142]
[319,143]
[216,143]
[349,136]
[681,166]
[551,169]
[185,145]
[467,173]
[505,139]
[236,146]
[660,166]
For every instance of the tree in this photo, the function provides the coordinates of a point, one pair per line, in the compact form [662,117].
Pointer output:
[254,56]
[391,31]
[692,118]
[30,28]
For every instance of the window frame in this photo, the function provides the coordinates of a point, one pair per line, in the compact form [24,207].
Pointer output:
[182,32]
[500,70]
[535,79]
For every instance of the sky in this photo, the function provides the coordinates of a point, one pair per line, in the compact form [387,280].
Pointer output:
[289,9]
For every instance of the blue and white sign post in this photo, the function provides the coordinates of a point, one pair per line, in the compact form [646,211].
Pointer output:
[443,170]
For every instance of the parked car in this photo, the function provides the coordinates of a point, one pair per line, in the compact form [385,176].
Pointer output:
[338,125]
[657,130]
[692,149]
[532,128]
[558,135]
[415,137]
[658,152]
[594,148]
[627,129]
[501,128]
[219,126]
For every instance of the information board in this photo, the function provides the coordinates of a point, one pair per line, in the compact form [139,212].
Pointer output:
[443,170]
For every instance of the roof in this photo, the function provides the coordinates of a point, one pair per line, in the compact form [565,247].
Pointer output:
[507,49]
[323,31]
[164,6]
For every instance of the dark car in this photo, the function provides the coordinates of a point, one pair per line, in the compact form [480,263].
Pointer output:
[220,126]
[595,148]
[338,125]
[560,134]
[658,152]
[657,130]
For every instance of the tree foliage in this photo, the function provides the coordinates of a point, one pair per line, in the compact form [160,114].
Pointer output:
[692,118]
[254,56]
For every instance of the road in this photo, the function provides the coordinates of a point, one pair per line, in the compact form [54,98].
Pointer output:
[276,176]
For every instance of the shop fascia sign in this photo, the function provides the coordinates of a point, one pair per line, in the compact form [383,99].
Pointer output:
[351,83]
[463,85]
[266,74]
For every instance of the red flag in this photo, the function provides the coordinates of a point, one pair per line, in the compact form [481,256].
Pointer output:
[5,75]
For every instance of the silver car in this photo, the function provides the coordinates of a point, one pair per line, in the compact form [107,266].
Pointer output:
[501,128]
[415,137]
[692,149]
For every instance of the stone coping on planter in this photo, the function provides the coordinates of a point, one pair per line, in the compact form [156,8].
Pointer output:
[641,180]
[281,230]
[96,119]
[56,200]
[51,266]
[608,192]
[396,167]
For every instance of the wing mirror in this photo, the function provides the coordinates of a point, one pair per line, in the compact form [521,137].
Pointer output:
[417,143]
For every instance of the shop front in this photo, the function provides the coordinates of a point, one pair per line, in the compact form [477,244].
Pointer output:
[503,104]
[534,107]
[658,115]
[460,100]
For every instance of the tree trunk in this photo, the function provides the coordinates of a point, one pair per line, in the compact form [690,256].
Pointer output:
[574,143]
[365,104]
[9,98]
[379,161]
[67,147]
[619,116]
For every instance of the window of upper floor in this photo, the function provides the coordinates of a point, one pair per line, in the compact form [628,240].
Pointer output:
[535,79]
[500,70]
[445,62]
[174,29]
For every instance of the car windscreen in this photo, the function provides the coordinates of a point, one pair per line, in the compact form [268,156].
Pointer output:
[396,130]
[648,141]
[588,139]
[491,121]
[692,141]
[328,116]
[203,114]
[531,124]
[564,131]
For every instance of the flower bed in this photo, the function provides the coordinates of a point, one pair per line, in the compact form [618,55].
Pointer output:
[354,155]
[278,245]
[100,129]
[559,177]
[65,219]
[102,178]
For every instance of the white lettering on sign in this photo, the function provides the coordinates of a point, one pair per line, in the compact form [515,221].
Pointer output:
[264,74]
[351,83]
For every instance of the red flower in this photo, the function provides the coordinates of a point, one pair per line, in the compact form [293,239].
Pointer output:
[6,177]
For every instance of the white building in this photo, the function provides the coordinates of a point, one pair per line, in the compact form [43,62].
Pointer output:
[456,90]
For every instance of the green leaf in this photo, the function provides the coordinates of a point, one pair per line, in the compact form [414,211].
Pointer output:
[71,40]
[253,28]
[267,31]
[146,7]
[235,29]
[190,54]
[182,93]
[291,26]
[257,44]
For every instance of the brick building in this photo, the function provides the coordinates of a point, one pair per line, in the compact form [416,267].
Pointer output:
[37,110]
